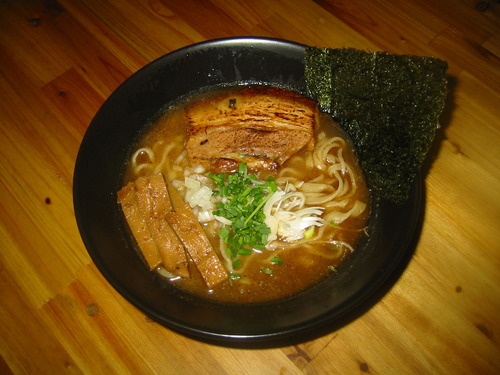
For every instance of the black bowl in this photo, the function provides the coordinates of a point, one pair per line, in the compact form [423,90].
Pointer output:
[360,281]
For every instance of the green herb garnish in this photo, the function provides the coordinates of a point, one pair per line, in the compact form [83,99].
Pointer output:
[243,197]
[276,260]
[233,277]
[266,270]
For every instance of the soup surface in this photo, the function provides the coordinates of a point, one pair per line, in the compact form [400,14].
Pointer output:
[315,210]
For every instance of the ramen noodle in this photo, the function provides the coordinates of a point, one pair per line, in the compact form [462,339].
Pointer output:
[267,155]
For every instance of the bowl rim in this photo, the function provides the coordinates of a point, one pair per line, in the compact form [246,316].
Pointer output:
[344,313]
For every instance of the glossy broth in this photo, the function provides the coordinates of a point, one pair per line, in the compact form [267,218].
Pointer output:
[302,266]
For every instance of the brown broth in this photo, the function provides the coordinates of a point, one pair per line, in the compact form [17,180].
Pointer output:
[301,267]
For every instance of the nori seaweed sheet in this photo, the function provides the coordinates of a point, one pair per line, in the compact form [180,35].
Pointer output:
[388,104]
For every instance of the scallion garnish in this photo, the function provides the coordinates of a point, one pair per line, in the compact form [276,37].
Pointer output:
[244,197]
[266,270]
[232,277]
[276,260]
[244,251]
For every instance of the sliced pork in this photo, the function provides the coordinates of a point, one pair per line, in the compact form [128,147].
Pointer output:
[262,126]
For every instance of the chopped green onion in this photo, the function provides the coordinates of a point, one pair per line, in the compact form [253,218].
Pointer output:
[242,168]
[224,232]
[266,270]
[243,251]
[232,277]
[276,260]
[245,197]
[271,184]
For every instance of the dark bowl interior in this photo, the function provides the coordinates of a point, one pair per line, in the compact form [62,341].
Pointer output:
[343,296]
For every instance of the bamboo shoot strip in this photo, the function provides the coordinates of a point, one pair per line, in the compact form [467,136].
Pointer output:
[138,225]
[197,244]
[145,203]
[156,205]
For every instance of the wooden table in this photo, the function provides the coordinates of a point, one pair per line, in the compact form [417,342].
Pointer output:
[59,61]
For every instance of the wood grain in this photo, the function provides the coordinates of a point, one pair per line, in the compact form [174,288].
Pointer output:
[61,59]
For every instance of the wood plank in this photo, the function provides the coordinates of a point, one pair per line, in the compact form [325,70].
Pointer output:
[155,30]
[31,345]
[61,59]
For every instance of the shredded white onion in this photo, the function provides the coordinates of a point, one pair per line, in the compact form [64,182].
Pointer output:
[285,220]
[222,220]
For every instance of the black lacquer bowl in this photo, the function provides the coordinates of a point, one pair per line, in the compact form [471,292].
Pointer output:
[359,282]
